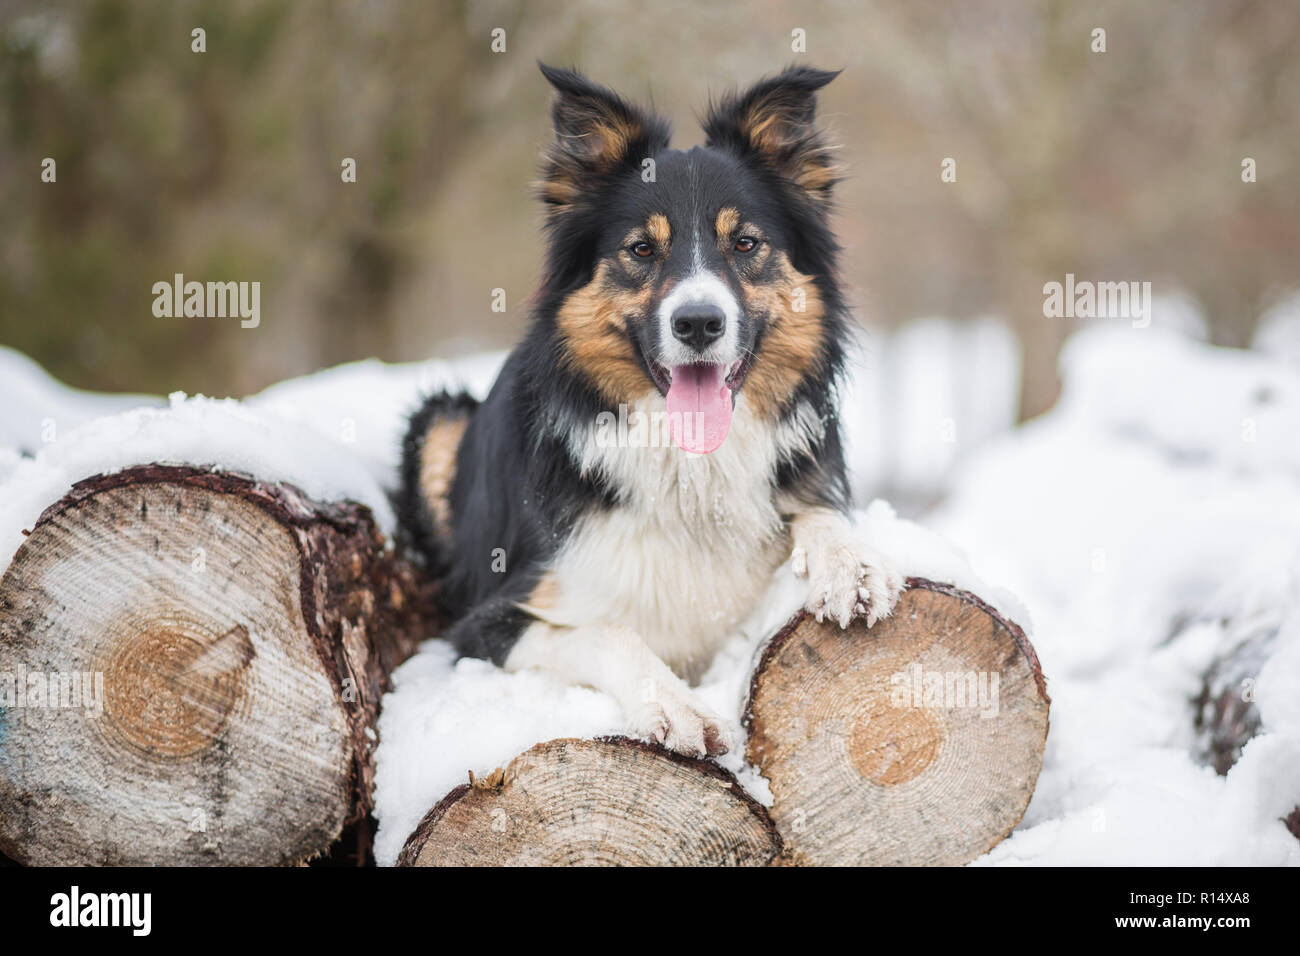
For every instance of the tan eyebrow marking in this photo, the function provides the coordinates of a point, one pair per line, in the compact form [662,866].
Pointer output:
[728,220]
[657,226]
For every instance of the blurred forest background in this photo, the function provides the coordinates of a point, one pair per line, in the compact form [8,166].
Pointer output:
[225,165]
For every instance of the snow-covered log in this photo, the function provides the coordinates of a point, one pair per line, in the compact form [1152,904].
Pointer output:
[918,741]
[195,661]
[1226,715]
[612,801]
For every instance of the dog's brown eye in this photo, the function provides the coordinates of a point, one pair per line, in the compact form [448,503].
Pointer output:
[642,250]
[746,244]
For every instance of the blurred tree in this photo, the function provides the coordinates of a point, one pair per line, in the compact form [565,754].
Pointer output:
[1115,165]
[1122,165]
[219,165]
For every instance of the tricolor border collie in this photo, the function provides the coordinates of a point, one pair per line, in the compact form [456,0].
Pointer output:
[665,436]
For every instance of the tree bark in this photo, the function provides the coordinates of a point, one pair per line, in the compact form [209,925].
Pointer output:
[231,639]
[1226,715]
[917,742]
[607,802]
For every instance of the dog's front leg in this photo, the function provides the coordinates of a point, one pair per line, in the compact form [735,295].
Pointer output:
[657,702]
[846,578]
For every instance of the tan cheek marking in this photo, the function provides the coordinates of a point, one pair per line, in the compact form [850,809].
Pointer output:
[728,220]
[592,326]
[438,468]
[660,231]
[794,340]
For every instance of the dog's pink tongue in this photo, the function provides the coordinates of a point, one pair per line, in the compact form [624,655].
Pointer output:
[699,407]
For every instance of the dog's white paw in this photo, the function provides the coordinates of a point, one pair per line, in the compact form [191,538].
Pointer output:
[675,718]
[847,581]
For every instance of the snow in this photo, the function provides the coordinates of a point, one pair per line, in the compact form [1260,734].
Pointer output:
[361,408]
[335,435]
[1149,525]
[920,397]
[1151,522]
[38,408]
[444,718]
[221,433]
[1278,332]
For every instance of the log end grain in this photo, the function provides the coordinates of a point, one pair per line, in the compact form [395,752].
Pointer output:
[605,802]
[917,741]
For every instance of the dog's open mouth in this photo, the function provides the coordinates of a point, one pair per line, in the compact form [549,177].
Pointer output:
[700,401]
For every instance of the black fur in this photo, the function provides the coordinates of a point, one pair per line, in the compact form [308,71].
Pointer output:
[517,492]
[412,511]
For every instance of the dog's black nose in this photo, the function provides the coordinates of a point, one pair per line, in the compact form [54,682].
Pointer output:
[698,325]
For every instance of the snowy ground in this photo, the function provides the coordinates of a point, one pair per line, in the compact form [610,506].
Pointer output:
[1150,525]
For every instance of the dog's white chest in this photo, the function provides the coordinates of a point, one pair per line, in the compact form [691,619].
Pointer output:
[689,551]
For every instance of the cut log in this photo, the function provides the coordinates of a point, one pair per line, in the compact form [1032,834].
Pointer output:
[195,661]
[612,802]
[916,742]
[1226,714]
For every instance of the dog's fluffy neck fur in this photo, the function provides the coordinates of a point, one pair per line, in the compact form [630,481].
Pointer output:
[720,509]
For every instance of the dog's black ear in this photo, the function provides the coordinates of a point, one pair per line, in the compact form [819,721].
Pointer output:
[774,123]
[597,133]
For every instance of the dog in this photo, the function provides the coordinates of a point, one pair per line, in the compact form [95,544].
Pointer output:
[689,295]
